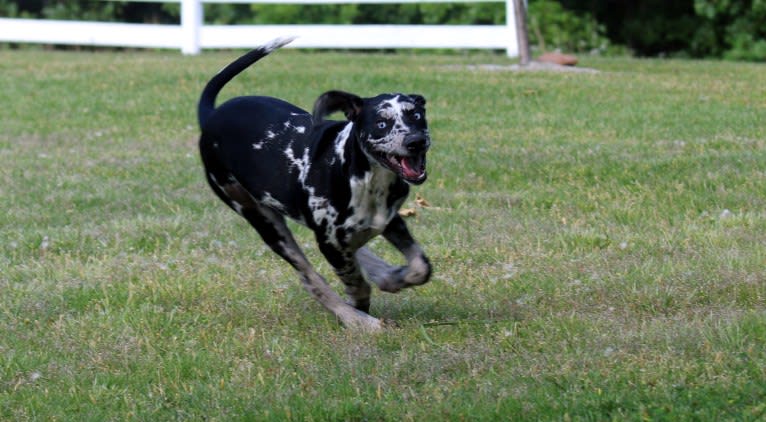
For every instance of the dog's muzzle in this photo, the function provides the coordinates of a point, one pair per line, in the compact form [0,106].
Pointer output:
[412,166]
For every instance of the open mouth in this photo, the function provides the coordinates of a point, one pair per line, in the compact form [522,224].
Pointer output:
[411,168]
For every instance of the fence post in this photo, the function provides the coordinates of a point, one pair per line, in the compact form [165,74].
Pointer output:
[522,37]
[511,48]
[191,25]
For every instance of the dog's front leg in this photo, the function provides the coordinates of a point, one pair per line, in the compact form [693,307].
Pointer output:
[272,228]
[349,273]
[391,278]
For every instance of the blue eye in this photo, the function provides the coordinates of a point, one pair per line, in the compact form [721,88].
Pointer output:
[417,116]
[382,124]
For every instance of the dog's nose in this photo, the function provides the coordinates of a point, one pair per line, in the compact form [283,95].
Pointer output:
[416,142]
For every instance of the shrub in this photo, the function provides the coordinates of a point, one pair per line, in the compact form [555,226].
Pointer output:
[736,29]
[553,27]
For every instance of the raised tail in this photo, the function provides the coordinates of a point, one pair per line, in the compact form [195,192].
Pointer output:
[207,99]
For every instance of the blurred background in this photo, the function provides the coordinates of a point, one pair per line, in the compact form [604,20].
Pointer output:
[721,29]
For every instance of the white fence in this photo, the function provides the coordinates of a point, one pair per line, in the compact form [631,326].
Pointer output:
[191,35]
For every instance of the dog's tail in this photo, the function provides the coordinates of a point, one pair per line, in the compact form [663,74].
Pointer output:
[207,99]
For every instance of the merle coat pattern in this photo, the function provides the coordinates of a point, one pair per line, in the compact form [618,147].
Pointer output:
[346,180]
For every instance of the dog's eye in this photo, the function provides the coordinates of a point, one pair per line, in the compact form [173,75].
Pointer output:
[382,124]
[417,116]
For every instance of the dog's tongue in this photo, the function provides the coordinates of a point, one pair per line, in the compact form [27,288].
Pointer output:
[411,167]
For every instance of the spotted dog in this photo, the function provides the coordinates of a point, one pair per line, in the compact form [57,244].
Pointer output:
[346,180]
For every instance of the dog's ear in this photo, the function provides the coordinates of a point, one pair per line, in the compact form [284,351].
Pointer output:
[332,101]
[419,99]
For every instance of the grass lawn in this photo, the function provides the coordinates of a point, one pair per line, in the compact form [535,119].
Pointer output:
[599,243]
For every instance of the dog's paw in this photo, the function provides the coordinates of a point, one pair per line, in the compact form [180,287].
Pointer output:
[393,282]
[365,323]
[357,320]
[418,272]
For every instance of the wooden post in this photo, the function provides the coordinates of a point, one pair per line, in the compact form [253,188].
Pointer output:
[521,31]
[191,25]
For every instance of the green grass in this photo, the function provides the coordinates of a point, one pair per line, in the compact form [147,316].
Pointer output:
[599,244]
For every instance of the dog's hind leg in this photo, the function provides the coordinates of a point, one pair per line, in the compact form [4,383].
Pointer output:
[391,278]
[274,231]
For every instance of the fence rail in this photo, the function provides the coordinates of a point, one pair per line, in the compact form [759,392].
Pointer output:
[191,35]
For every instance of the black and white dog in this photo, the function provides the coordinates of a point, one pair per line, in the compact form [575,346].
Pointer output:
[345,180]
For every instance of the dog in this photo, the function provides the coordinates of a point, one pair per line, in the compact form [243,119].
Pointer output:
[269,160]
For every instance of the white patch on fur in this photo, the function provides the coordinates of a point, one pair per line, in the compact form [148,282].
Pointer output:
[270,134]
[302,164]
[340,141]
[277,43]
[321,209]
[393,109]
[417,270]
[323,212]
[258,145]
[369,197]
[288,125]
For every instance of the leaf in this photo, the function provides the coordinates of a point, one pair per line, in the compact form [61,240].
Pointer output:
[421,202]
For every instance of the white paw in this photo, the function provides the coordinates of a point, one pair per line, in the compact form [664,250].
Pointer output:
[364,322]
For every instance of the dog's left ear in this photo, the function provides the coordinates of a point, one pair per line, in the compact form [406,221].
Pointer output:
[419,99]
[332,101]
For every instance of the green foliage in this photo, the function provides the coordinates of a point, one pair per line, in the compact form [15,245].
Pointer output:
[476,13]
[304,14]
[647,27]
[9,8]
[226,14]
[735,29]
[62,9]
[82,9]
[408,13]
[553,27]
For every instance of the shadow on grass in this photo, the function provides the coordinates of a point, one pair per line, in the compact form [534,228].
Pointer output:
[434,311]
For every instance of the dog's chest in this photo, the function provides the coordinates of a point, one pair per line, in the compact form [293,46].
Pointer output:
[369,205]
[370,208]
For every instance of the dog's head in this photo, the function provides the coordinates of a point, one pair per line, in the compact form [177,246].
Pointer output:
[391,128]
